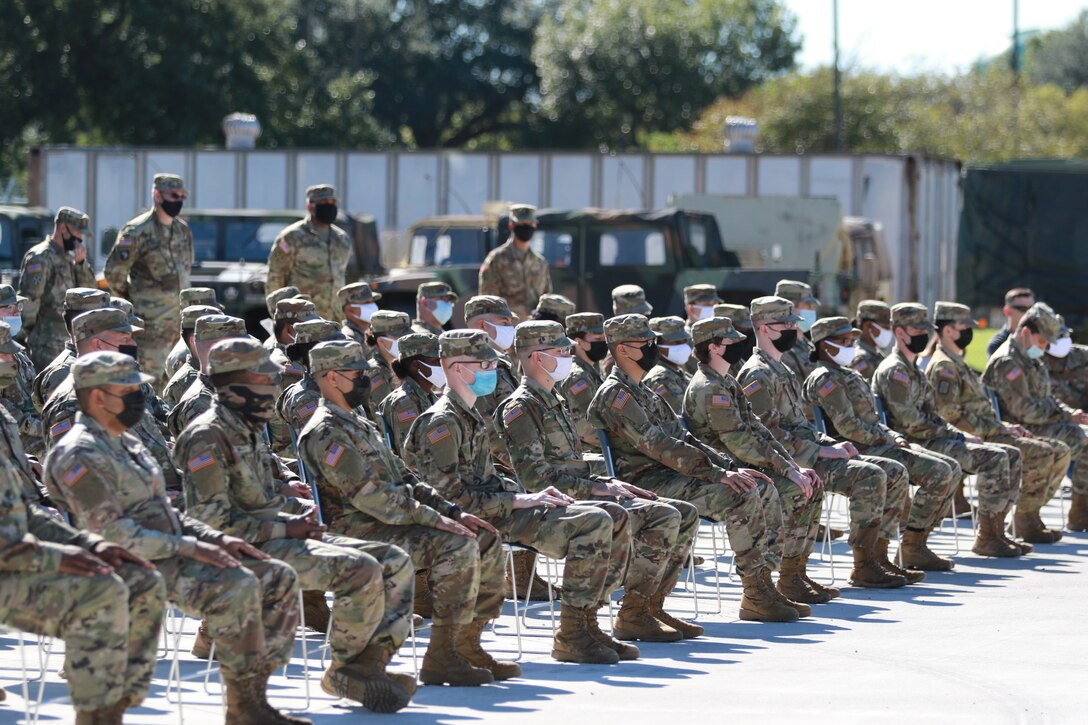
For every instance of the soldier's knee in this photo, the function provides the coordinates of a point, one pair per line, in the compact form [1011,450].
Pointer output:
[143,582]
[278,577]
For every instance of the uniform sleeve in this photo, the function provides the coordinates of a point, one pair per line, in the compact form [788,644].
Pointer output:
[757,389]
[896,387]
[834,399]
[33,277]
[948,395]
[20,548]
[489,277]
[716,416]
[1006,376]
[123,254]
[281,259]
[524,438]
[399,411]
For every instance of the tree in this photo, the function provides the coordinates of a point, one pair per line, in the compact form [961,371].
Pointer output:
[1060,56]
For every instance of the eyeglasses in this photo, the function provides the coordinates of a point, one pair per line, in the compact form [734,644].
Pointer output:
[1021,308]
[484,364]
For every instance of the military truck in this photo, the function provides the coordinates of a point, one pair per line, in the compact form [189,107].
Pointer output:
[21,227]
[590,251]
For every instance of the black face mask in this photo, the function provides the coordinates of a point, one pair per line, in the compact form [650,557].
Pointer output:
[255,403]
[299,352]
[786,341]
[134,407]
[734,353]
[918,342]
[745,346]
[172,208]
[597,351]
[69,242]
[965,338]
[649,357]
[359,393]
[524,232]
[130,350]
[325,213]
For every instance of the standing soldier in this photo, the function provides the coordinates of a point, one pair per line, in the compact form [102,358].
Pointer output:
[358,303]
[50,268]
[312,254]
[149,265]
[874,319]
[799,357]
[16,393]
[669,378]
[420,371]
[189,297]
[434,307]
[512,270]
[586,329]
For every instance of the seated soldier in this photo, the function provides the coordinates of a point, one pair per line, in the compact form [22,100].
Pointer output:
[669,378]
[358,303]
[16,392]
[874,319]
[420,372]
[298,402]
[1067,366]
[799,357]
[434,307]
[76,301]
[184,373]
[586,329]
[553,307]
[182,351]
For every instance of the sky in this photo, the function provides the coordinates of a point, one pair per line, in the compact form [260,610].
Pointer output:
[923,35]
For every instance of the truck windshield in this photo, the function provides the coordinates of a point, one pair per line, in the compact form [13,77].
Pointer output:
[446,246]
[631,245]
[229,240]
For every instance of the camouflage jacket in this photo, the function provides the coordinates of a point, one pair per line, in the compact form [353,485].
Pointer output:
[299,402]
[866,361]
[668,381]
[314,261]
[150,264]
[179,382]
[1023,387]
[578,389]
[179,355]
[12,451]
[848,405]
[1069,376]
[194,401]
[53,375]
[17,399]
[518,277]
[46,273]
[401,408]
[421,326]
[352,332]
[799,357]
[382,380]
[909,401]
[961,399]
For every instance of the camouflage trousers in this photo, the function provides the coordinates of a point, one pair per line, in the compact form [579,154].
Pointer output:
[1076,437]
[372,584]
[109,624]
[45,342]
[1044,464]
[581,533]
[748,524]
[252,611]
[452,564]
[997,466]
[158,337]
[661,536]
[873,486]
[935,476]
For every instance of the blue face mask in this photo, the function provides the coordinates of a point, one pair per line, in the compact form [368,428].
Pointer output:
[443,311]
[808,317]
[485,382]
[15,322]
[1035,352]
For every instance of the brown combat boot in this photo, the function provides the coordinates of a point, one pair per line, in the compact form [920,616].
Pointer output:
[103,716]
[422,604]
[624,650]
[832,592]
[374,662]
[821,533]
[468,646]
[759,603]
[274,715]
[315,611]
[689,630]
[376,691]
[989,541]
[917,554]
[635,622]
[1023,546]
[880,552]
[574,643]
[525,569]
[202,643]
[1029,527]
[803,610]
[869,574]
[442,665]
[247,703]
[1078,512]
[793,584]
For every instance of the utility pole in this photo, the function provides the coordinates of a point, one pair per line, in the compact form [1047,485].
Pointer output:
[1015,60]
[836,103]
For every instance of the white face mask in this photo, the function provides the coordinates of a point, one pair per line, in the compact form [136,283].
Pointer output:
[883,338]
[808,318]
[503,336]
[394,346]
[842,356]
[562,366]
[677,354]
[703,313]
[436,376]
[365,312]
[1060,347]
[443,311]
[15,323]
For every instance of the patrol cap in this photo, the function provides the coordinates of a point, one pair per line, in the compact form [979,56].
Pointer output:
[198,296]
[739,314]
[295,308]
[910,314]
[472,343]
[390,323]
[701,294]
[523,214]
[218,327]
[279,294]
[953,312]
[74,218]
[435,290]
[241,353]
[418,343]
[120,303]
[557,305]
[94,322]
[357,293]
[772,309]
[82,299]
[540,333]
[9,297]
[168,182]
[874,311]
[309,331]
[670,329]
[585,322]
[106,367]
[6,343]
[486,305]
[627,328]
[1044,320]
[320,192]
[795,291]
[630,298]
[337,355]
[715,327]
[826,327]
[192,313]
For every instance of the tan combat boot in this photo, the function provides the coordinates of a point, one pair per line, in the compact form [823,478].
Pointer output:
[274,715]
[1029,527]
[525,570]
[374,661]
[422,604]
[759,603]
[574,643]
[635,622]
[869,574]
[624,650]
[917,555]
[315,611]
[442,665]
[103,716]
[990,541]
[202,643]
[247,704]
[803,610]
[468,646]
[376,691]
[1078,512]
[832,592]
[880,552]
[689,630]
[1023,546]
[793,584]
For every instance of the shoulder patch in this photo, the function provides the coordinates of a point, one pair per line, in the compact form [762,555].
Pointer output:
[73,475]
[721,401]
[306,410]
[333,454]
[947,373]
[60,428]
[513,413]
[827,388]
[292,369]
[901,377]
[202,461]
[661,389]
[579,387]
[124,242]
[36,267]
[440,433]
[621,400]
[1013,374]
[752,388]
[283,245]
[406,415]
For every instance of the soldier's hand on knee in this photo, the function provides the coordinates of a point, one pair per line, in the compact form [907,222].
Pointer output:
[296,489]
[450,526]
[240,548]
[742,480]
[115,555]
[475,523]
[304,528]
[81,563]
[611,487]
[543,498]
[638,492]
[813,478]
[214,556]
[553,491]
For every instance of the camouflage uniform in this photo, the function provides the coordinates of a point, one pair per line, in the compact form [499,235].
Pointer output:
[868,357]
[390,324]
[189,297]
[311,259]
[741,318]
[1069,376]
[519,277]
[114,488]
[298,402]
[150,265]
[553,307]
[77,300]
[400,408]
[430,291]
[912,410]
[16,387]
[46,273]
[195,399]
[579,387]
[230,484]
[799,357]
[627,299]
[449,448]
[183,372]
[357,293]
[667,379]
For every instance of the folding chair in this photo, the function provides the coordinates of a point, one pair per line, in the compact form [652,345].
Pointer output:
[32,705]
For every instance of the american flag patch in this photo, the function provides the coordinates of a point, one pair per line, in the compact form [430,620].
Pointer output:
[861,365]
[440,433]
[406,415]
[60,428]
[293,369]
[75,473]
[721,401]
[333,454]
[124,242]
[376,383]
[306,410]
[578,387]
[827,388]
[661,389]
[621,400]
[752,388]
[901,377]
[202,461]
[1013,374]
[283,245]
[36,267]
[513,413]
[947,373]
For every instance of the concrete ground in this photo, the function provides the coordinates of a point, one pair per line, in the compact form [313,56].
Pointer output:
[996,641]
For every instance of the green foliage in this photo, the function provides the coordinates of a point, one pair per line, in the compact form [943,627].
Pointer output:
[1060,57]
